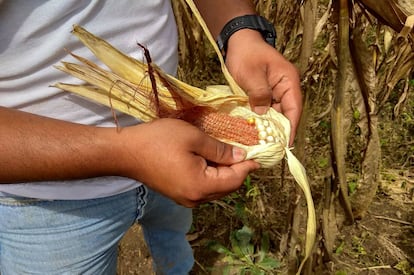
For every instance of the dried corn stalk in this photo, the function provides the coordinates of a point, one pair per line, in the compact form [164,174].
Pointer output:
[147,93]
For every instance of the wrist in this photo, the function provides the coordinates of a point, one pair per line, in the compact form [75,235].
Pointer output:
[241,38]
[106,153]
[117,151]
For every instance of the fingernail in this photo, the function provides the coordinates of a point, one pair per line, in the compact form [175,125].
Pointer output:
[238,154]
[260,110]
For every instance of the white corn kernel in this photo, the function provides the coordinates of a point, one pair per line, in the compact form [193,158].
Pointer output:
[262,135]
[262,142]
[260,127]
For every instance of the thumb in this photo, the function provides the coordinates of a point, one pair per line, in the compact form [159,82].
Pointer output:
[220,152]
[260,100]
[260,92]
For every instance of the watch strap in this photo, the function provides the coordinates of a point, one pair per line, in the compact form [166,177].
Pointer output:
[249,21]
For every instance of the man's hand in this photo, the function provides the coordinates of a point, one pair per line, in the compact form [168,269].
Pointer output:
[183,163]
[169,155]
[268,78]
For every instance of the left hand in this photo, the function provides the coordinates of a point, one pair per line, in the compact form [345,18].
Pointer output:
[265,75]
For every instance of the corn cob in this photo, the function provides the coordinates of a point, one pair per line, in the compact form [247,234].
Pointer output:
[221,111]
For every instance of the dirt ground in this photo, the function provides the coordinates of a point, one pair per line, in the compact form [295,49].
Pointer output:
[380,243]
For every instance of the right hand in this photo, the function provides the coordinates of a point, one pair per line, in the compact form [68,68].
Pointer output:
[266,75]
[181,162]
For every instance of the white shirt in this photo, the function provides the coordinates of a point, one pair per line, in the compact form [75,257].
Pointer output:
[33,37]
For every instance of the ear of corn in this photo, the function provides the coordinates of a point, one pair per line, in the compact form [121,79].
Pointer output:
[221,111]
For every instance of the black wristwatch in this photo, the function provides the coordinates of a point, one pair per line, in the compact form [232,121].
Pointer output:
[249,21]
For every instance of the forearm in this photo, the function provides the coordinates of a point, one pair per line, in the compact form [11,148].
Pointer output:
[34,148]
[217,13]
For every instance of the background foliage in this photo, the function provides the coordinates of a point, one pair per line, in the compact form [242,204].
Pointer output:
[356,137]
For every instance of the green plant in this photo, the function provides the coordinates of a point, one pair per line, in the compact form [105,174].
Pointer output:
[412,82]
[352,186]
[244,257]
[251,190]
[340,248]
[357,246]
[405,267]
[323,162]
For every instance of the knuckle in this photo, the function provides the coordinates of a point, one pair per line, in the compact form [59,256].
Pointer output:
[221,149]
[262,92]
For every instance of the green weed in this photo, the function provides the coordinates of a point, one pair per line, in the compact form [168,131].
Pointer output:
[244,257]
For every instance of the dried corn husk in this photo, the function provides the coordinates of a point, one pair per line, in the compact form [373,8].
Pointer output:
[127,88]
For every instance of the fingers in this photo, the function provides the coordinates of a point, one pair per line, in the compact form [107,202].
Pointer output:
[212,182]
[222,180]
[229,178]
[257,87]
[278,86]
[288,100]
[227,173]
[261,101]
[280,89]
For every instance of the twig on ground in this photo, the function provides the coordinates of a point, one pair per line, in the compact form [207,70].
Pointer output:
[393,220]
[201,267]
[377,267]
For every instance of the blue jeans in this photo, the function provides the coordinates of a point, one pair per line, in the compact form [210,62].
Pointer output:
[81,237]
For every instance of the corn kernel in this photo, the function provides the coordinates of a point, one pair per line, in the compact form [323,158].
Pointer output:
[262,135]
[251,120]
